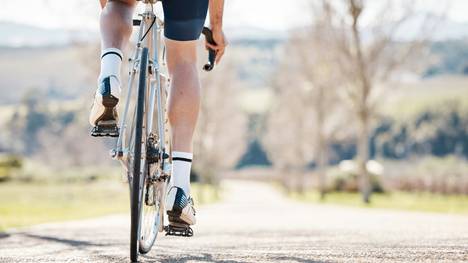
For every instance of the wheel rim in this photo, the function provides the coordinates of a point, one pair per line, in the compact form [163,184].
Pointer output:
[150,213]
[150,217]
[130,144]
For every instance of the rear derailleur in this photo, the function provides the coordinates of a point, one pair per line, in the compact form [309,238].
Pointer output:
[153,154]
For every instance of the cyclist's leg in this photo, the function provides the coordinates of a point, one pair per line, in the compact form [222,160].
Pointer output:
[184,21]
[183,106]
[116,28]
[184,100]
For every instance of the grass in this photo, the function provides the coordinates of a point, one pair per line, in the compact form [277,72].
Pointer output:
[424,202]
[409,100]
[23,204]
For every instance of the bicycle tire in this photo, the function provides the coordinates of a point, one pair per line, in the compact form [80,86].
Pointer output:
[138,177]
[152,216]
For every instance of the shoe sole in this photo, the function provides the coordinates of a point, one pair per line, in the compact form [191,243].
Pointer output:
[176,216]
[108,111]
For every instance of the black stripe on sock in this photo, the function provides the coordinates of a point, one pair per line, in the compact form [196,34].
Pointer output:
[181,159]
[111,52]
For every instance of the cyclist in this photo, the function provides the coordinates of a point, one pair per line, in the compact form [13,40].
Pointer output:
[184,20]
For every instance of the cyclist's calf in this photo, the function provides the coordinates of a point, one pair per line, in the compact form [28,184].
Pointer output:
[116,23]
[184,100]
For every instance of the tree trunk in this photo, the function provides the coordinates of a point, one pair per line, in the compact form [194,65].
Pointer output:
[363,157]
[286,176]
[322,160]
[300,182]
[322,174]
[356,9]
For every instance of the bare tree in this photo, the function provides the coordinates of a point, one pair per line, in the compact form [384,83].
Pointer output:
[286,141]
[304,117]
[367,56]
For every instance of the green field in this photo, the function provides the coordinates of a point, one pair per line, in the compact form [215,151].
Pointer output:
[410,99]
[23,204]
[424,202]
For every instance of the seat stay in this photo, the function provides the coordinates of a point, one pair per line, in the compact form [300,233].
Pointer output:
[157,46]
[153,63]
[117,152]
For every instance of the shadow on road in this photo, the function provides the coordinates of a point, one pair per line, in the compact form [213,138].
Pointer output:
[296,259]
[206,257]
[70,242]
[4,235]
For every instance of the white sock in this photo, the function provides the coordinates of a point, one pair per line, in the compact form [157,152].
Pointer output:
[181,165]
[111,61]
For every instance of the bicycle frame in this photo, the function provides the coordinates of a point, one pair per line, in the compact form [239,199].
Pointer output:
[149,35]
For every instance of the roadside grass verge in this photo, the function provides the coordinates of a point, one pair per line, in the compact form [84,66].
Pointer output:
[423,202]
[24,204]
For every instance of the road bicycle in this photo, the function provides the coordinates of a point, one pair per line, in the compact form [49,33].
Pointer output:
[143,143]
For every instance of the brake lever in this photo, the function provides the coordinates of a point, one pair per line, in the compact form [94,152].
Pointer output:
[211,53]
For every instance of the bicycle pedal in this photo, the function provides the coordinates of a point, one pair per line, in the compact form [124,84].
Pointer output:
[105,129]
[180,230]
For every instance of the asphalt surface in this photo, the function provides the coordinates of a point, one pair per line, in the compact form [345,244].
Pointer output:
[255,223]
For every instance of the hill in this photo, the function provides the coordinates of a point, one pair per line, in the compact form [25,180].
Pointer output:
[60,71]
[21,35]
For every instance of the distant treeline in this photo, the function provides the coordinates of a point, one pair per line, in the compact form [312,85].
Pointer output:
[437,131]
[440,131]
[452,58]
[52,133]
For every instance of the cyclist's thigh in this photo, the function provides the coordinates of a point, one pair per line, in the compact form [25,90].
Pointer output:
[184,19]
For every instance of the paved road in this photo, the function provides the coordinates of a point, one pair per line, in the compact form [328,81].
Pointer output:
[255,223]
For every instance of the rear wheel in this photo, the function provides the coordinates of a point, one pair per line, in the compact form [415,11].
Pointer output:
[138,163]
[151,215]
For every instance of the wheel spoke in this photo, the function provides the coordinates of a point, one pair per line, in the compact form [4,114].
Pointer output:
[151,211]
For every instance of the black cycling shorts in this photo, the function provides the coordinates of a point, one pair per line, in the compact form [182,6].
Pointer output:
[184,19]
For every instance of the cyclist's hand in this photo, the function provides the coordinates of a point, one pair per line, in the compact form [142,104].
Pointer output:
[221,43]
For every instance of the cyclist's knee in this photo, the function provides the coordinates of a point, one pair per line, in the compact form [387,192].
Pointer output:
[131,3]
[181,55]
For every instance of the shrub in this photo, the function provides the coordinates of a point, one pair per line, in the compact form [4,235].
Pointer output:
[9,165]
[346,181]
[446,175]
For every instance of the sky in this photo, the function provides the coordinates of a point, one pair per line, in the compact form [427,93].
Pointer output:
[264,14]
